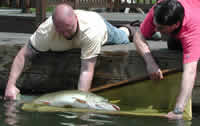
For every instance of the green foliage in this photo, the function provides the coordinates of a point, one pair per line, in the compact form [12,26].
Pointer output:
[49,9]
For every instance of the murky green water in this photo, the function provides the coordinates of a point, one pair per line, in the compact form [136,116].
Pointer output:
[12,115]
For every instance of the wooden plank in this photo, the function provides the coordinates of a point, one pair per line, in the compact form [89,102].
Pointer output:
[40,11]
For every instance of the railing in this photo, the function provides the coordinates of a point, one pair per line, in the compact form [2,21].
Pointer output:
[94,4]
[4,2]
[82,4]
[143,4]
[52,3]
[41,5]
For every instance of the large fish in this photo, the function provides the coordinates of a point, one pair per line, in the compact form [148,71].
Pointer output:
[77,99]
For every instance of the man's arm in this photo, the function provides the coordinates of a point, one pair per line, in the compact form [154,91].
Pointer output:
[187,84]
[16,69]
[86,74]
[144,51]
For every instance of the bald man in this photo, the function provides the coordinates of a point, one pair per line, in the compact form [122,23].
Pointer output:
[68,29]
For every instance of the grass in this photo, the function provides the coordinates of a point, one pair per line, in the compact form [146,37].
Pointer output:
[49,9]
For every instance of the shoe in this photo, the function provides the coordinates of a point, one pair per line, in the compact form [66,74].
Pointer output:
[131,27]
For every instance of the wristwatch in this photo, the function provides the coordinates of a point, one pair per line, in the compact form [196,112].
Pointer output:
[177,111]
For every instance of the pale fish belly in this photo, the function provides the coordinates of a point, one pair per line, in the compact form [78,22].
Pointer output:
[77,99]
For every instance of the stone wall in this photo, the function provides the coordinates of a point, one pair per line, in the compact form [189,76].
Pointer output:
[52,71]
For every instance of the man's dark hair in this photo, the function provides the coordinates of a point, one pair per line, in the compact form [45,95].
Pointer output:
[168,12]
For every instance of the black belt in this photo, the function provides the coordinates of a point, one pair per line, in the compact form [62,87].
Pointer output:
[44,52]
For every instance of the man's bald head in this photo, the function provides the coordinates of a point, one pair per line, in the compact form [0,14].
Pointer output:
[65,20]
[62,12]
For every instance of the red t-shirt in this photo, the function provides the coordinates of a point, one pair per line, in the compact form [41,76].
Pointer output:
[189,34]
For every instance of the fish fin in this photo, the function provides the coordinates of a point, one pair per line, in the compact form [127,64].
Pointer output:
[81,101]
[45,102]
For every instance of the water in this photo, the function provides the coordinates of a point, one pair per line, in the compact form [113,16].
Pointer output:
[12,115]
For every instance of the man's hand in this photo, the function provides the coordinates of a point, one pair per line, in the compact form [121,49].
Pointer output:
[154,72]
[11,92]
[173,116]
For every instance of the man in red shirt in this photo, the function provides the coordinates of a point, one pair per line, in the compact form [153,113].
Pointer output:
[178,19]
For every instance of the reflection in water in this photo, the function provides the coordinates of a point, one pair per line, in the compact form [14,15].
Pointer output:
[11,115]
[69,115]
[87,119]
[181,122]
[97,118]
[11,111]
[72,124]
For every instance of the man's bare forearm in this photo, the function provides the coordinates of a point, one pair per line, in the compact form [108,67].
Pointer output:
[187,84]
[142,47]
[86,74]
[17,66]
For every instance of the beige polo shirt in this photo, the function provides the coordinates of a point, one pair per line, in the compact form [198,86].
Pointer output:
[91,36]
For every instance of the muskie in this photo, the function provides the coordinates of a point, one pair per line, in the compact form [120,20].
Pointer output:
[77,99]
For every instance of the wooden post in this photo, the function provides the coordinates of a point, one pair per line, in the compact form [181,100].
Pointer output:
[25,6]
[117,5]
[40,11]
[76,4]
[17,3]
[110,5]
[8,3]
